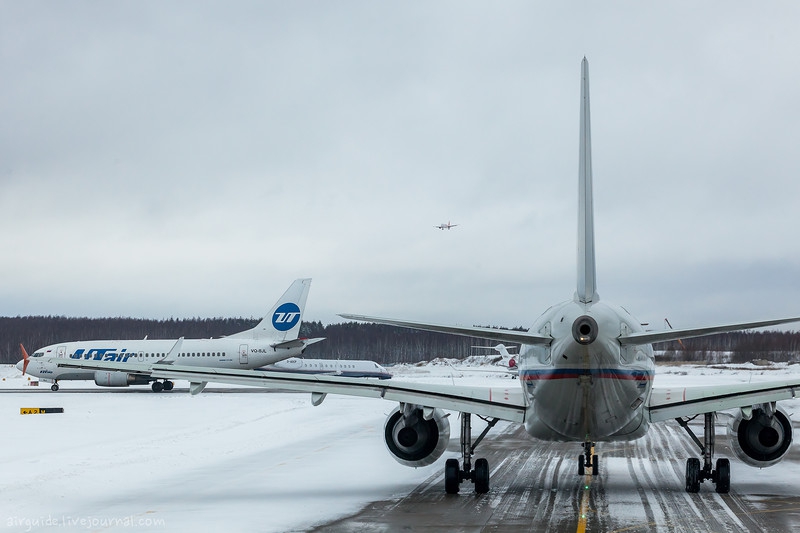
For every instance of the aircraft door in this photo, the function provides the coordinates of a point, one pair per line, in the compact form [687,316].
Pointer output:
[61,351]
[243,354]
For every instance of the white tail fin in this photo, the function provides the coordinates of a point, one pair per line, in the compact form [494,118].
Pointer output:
[587,287]
[282,323]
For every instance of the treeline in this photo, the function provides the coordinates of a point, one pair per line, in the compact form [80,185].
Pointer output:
[736,347]
[351,340]
[384,344]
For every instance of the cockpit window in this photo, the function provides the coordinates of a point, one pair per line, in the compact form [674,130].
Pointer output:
[38,354]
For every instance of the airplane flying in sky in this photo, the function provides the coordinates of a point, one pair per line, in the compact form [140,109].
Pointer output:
[273,339]
[448,225]
[586,371]
[353,368]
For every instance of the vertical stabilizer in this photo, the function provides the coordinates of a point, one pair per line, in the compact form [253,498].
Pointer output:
[587,288]
[282,322]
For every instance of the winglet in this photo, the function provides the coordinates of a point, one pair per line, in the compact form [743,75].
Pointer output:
[587,283]
[172,356]
[25,358]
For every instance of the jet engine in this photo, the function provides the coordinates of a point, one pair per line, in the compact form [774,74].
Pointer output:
[415,435]
[111,378]
[762,439]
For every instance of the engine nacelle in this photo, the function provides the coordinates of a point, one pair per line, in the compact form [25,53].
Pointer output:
[764,439]
[416,436]
[112,378]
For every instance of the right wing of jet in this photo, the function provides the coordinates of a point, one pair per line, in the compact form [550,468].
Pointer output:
[495,402]
[502,335]
[667,403]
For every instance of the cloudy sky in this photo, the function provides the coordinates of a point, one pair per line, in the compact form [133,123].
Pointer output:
[191,159]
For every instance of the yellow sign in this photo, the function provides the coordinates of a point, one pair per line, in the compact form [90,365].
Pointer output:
[40,410]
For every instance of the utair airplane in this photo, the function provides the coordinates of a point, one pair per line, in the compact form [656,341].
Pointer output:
[586,371]
[275,338]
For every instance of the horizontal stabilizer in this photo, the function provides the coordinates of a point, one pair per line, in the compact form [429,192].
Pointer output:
[502,335]
[296,343]
[648,337]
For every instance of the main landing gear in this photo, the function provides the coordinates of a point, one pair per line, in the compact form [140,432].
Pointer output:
[721,475]
[158,386]
[588,459]
[453,475]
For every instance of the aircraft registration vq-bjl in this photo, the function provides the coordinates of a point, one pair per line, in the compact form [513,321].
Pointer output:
[586,372]
[275,338]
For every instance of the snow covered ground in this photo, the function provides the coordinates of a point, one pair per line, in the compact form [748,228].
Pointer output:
[228,459]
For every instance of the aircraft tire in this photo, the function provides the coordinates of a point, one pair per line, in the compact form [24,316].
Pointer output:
[168,385]
[54,387]
[693,474]
[451,476]
[723,476]
[157,386]
[580,465]
[595,465]
[481,476]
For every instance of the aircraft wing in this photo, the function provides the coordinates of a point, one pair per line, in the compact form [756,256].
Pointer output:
[495,402]
[673,402]
[648,337]
[503,335]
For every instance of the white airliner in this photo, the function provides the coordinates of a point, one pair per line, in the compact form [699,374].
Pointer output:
[353,368]
[275,338]
[586,372]
[443,226]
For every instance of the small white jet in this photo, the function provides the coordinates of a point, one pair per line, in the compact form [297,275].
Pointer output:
[503,350]
[586,371]
[444,226]
[275,338]
[354,368]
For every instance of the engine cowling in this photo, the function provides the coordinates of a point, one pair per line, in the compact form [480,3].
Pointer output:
[416,436]
[112,378]
[763,439]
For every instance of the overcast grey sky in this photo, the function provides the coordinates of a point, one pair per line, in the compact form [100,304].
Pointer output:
[181,159]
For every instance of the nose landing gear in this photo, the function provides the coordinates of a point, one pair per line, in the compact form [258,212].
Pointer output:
[588,459]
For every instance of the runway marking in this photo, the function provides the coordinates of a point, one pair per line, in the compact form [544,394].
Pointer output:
[584,508]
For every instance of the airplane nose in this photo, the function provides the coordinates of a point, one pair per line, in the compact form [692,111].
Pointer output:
[19,365]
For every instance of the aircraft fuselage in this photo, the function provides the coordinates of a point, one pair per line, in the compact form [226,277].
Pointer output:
[586,388]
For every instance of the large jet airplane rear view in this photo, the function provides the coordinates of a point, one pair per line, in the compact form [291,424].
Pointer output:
[586,370]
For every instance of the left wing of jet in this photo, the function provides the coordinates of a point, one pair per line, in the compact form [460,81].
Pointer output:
[495,402]
[673,402]
[502,335]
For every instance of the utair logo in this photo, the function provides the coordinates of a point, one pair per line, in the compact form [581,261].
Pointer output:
[286,317]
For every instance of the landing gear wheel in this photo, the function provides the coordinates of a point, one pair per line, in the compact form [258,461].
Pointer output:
[451,476]
[693,474]
[54,387]
[157,386]
[168,385]
[481,476]
[723,476]
[595,465]
[581,460]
